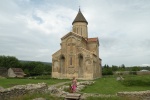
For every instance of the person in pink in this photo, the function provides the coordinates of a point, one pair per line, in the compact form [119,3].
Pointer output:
[74,84]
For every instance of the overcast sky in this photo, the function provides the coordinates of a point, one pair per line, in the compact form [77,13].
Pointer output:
[31,29]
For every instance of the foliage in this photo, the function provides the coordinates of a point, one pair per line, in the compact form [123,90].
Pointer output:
[114,68]
[36,68]
[122,68]
[31,68]
[135,68]
[9,61]
[106,70]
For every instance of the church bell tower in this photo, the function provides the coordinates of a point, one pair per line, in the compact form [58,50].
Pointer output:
[80,25]
[79,55]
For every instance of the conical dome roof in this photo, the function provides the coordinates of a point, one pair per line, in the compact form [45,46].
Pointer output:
[79,18]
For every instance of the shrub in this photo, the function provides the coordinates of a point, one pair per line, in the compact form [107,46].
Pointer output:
[42,77]
[133,73]
[136,82]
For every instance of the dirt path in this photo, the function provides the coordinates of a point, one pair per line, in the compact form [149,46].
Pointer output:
[59,84]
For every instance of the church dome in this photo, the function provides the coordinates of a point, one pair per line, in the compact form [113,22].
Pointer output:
[79,18]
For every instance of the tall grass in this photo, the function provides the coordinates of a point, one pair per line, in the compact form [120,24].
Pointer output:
[109,85]
[143,81]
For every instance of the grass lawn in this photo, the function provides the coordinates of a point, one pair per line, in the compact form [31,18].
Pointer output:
[14,81]
[46,96]
[109,85]
[105,85]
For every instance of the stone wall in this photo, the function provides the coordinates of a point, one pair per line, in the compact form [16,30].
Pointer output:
[18,90]
[143,72]
[128,72]
[136,95]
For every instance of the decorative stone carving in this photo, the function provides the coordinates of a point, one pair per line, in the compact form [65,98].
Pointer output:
[71,70]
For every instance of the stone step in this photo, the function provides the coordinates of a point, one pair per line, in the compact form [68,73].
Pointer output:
[73,96]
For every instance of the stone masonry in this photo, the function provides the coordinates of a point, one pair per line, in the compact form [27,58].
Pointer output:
[18,90]
[79,55]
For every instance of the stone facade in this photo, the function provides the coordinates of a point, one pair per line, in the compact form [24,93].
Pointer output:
[79,55]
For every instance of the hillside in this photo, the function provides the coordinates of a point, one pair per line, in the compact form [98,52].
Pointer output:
[25,61]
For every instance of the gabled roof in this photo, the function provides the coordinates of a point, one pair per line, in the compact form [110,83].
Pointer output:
[71,33]
[74,34]
[93,40]
[56,52]
[18,71]
[79,18]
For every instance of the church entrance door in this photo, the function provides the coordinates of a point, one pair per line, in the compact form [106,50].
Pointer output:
[80,71]
[62,66]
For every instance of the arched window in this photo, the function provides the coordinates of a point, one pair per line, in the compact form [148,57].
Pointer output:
[62,64]
[80,70]
[81,31]
[70,60]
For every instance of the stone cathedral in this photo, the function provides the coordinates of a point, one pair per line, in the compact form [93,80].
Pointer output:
[79,55]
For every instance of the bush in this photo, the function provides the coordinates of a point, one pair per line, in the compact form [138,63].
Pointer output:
[41,77]
[133,73]
[136,82]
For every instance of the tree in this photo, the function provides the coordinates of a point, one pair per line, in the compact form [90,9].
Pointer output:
[114,68]
[9,61]
[122,67]
[135,68]
[106,70]
[38,70]
[47,69]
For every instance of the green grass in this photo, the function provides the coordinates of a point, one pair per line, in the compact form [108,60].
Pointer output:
[109,85]
[14,81]
[137,81]
[106,98]
[46,96]
[105,85]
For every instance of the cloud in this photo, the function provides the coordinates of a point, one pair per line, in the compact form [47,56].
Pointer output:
[122,27]
[31,30]
[33,35]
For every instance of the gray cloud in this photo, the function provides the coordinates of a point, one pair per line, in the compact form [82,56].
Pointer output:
[31,30]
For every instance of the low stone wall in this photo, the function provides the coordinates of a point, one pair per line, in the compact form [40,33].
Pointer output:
[80,86]
[7,94]
[143,72]
[137,95]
